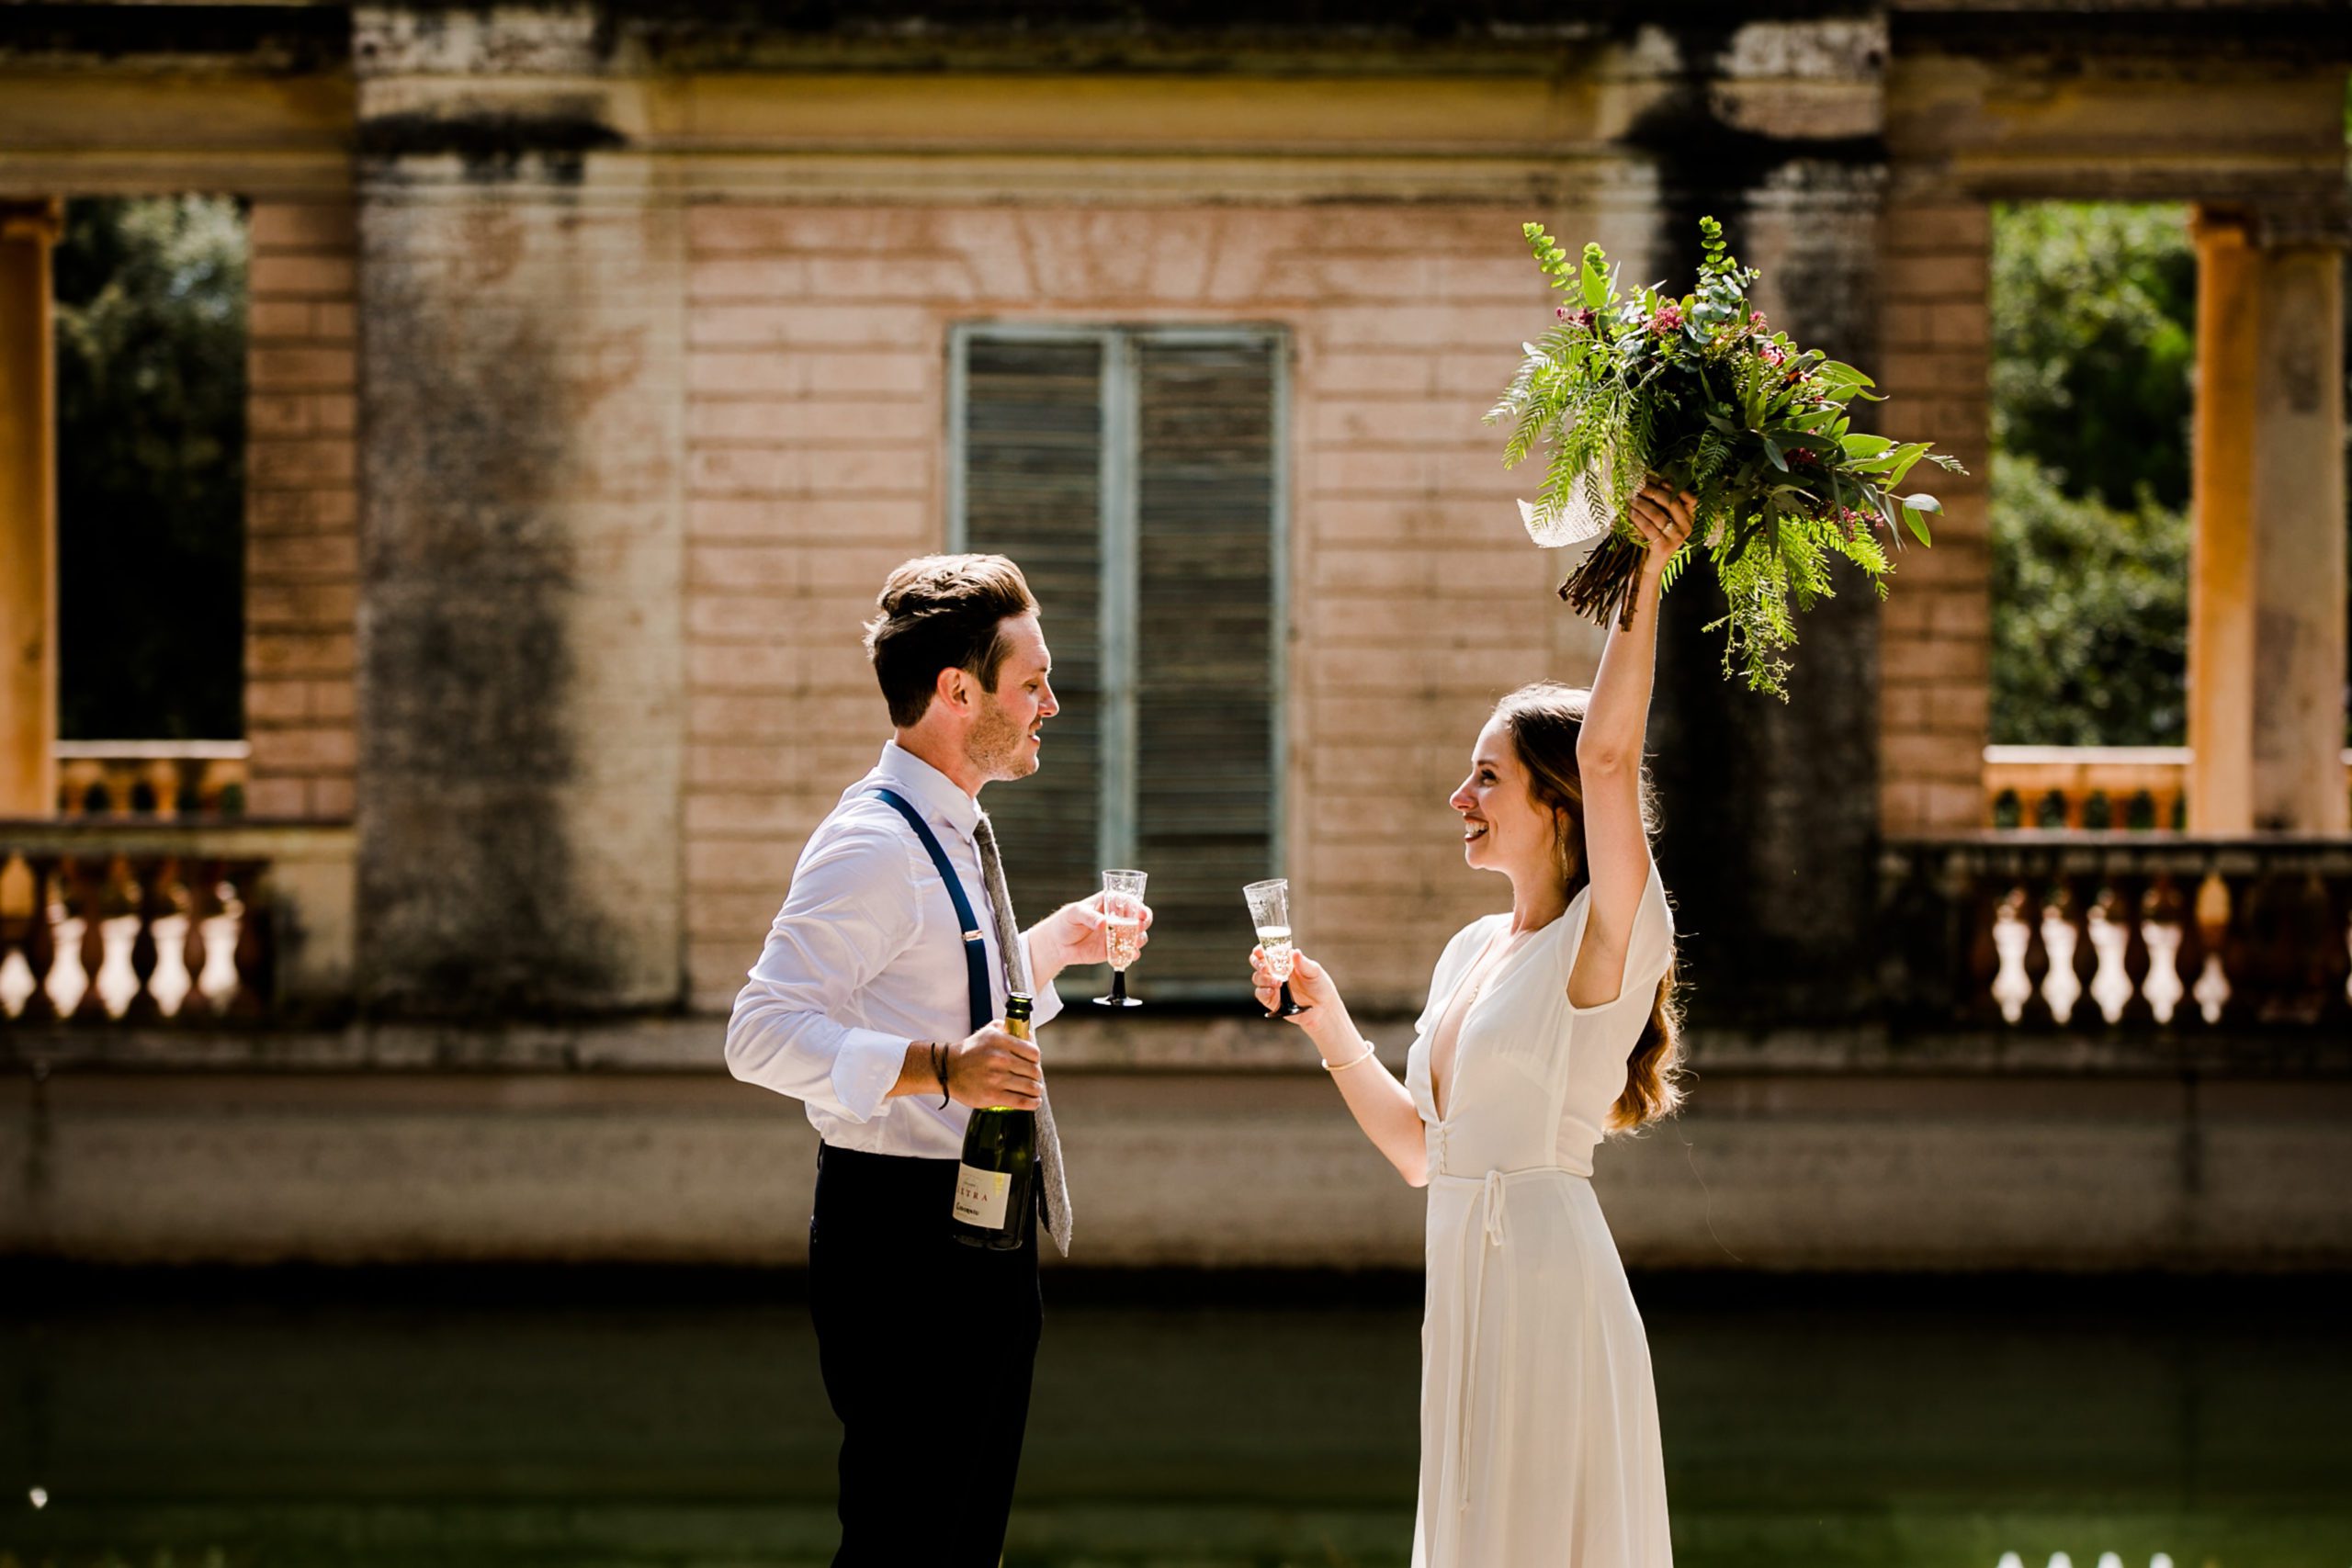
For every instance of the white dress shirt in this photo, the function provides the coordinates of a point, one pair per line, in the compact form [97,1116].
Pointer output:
[866,957]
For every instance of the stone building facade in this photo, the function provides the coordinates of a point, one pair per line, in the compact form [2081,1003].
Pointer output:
[604,359]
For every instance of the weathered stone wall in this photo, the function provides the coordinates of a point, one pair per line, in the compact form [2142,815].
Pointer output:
[302,511]
[523,463]
[1937,629]
[522,734]
[1186,1169]
[817,438]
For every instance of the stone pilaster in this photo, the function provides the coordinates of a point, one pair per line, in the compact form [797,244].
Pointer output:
[521,279]
[2266,569]
[28,513]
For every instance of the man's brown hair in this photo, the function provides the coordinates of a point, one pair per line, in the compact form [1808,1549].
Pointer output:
[942,613]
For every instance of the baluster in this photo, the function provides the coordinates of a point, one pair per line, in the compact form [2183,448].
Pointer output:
[204,798]
[40,938]
[217,973]
[167,923]
[2039,890]
[170,779]
[1997,960]
[2175,949]
[2063,939]
[74,780]
[2109,928]
[2214,989]
[252,941]
[1980,961]
[2025,956]
[146,901]
[115,979]
[80,943]
[201,899]
[18,905]
[2131,890]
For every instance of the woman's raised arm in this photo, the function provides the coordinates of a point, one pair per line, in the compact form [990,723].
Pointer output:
[1609,757]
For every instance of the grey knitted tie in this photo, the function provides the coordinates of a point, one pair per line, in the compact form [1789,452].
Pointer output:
[1017,978]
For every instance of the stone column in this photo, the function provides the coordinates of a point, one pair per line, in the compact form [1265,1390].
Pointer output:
[2266,572]
[522,289]
[1770,809]
[28,512]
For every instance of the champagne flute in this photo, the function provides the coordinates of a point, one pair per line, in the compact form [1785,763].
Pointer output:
[1270,912]
[1123,931]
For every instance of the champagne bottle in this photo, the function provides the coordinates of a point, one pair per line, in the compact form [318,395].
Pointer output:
[997,1181]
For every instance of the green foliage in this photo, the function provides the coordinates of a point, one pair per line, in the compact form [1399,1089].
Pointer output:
[1698,391]
[151,400]
[2094,335]
[2090,619]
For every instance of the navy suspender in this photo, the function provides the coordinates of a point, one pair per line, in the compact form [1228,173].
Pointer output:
[976,952]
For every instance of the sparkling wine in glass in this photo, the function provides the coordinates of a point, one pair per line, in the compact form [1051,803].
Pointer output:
[1270,912]
[1122,932]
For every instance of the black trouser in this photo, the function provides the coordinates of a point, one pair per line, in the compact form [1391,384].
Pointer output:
[927,1347]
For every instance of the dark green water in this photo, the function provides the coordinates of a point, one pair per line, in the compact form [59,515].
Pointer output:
[617,1421]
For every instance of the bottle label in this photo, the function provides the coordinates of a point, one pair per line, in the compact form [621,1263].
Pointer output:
[980,1196]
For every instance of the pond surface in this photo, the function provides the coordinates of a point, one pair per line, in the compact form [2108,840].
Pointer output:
[621,1420]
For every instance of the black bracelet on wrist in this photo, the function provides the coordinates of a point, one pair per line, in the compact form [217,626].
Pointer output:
[939,1070]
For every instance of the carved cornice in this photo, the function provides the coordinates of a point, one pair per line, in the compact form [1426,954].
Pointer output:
[2282,225]
[42,219]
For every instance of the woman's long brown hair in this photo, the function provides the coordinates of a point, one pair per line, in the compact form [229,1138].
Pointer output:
[1544,721]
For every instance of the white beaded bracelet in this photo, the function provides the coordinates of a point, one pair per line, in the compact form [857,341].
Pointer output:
[1354,1061]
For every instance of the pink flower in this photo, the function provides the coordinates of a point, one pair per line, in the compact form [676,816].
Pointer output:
[1757,321]
[1668,319]
[1804,457]
[1560,312]
[1774,355]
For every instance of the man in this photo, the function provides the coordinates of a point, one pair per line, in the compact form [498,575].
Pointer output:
[867,1005]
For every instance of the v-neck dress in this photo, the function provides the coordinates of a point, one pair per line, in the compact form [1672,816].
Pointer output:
[1539,1419]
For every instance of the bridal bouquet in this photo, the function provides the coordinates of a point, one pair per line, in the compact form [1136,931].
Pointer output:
[1699,392]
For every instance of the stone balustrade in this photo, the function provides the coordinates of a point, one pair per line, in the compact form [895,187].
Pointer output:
[2086,932]
[173,779]
[2139,787]
[101,922]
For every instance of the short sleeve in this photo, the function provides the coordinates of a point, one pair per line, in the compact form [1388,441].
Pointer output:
[1649,950]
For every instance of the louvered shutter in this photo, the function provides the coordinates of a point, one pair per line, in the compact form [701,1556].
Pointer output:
[1033,490]
[1205,784]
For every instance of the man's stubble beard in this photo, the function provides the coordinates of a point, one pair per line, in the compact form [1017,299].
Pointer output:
[995,746]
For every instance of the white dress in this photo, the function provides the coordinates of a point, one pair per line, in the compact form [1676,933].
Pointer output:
[1539,1419]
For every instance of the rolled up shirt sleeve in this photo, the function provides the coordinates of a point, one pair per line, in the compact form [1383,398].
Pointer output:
[1047,1004]
[848,915]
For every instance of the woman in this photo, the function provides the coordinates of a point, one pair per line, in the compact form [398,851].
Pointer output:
[1546,1027]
